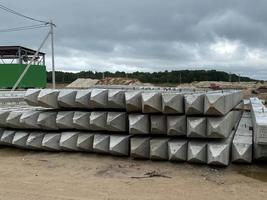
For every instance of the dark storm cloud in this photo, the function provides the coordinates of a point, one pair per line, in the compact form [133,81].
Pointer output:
[149,35]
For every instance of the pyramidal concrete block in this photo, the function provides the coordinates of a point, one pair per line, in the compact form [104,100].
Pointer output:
[98,120]
[83,98]
[214,104]
[66,99]
[219,153]
[7,137]
[133,101]
[116,99]
[177,150]
[29,118]
[20,139]
[242,149]
[196,127]
[81,120]
[151,102]
[47,120]
[13,119]
[51,142]
[85,142]
[31,97]
[101,143]
[64,119]
[140,147]
[139,124]
[197,152]
[158,124]
[172,103]
[159,149]
[99,98]
[194,104]
[259,152]
[176,125]
[4,113]
[68,141]
[119,145]
[48,98]
[117,121]
[34,140]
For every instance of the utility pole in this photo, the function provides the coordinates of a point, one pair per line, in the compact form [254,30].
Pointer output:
[230,78]
[180,78]
[238,78]
[53,58]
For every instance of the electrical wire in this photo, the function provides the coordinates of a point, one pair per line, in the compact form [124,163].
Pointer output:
[23,28]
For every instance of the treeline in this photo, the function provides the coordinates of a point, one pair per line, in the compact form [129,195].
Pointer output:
[173,77]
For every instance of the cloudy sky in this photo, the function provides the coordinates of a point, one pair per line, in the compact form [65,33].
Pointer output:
[147,35]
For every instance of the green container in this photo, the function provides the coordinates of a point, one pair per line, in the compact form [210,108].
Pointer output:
[35,77]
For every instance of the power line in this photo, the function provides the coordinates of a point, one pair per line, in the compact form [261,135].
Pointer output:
[19,14]
[23,28]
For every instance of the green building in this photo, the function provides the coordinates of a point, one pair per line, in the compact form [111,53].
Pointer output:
[14,60]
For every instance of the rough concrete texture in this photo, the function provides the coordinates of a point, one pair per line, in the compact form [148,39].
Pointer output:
[13,119]
[20,139]
[64,119]
[98,120]
[99,98]
[101,143]
[47,120]
[194,104]
[133,101]
[34,140]
[48,98]
[7,137]
[151,102]
[140,147]
[85,142]
[176,125]
[197,152]
[83,98]
[116,99]
[172,103]
[68,141]
[259,152]
[196,127]
[159,149]
[119,145]
[81,120]
[220,127]
[31,97]
[66,99]
[177,150]
[3,116]
[158,124]
[117,121]
[139,124]
[51,142]
[29,119]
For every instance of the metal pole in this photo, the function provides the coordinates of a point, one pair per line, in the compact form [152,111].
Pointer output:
[53,59]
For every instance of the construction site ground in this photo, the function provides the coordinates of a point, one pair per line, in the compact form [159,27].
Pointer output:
[31,175]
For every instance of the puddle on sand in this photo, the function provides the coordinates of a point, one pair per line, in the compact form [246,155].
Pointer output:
[258,175]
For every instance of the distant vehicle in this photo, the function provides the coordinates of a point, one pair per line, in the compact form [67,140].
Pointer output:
[215,86]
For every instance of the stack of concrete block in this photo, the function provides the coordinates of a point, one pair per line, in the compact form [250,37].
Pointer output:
[178,126]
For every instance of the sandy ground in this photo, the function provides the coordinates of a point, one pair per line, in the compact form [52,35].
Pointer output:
[42,175]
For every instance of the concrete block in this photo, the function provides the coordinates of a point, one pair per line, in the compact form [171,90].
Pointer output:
[139,124]
[151,102]
[140,147]
[158,124]
[177,150]
[194,104]
[117,121]
[242,149]
[3,117]
[64,119]
[29,118]
[116,99]
[68,141]
[85,142]
[34,140]
[83,98]
[133,101]
[176,125]
[259,152]
[219,153]
[67,99]
[159,149]
[197,152]
[101,143]
[31,97]
[98,120]
[48,98]
[196,127]
[47,120]
[172,103]
[81,120]
[99,98]
[51,142]
[119,145]
[7,137]
[13,119]
[20,139]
